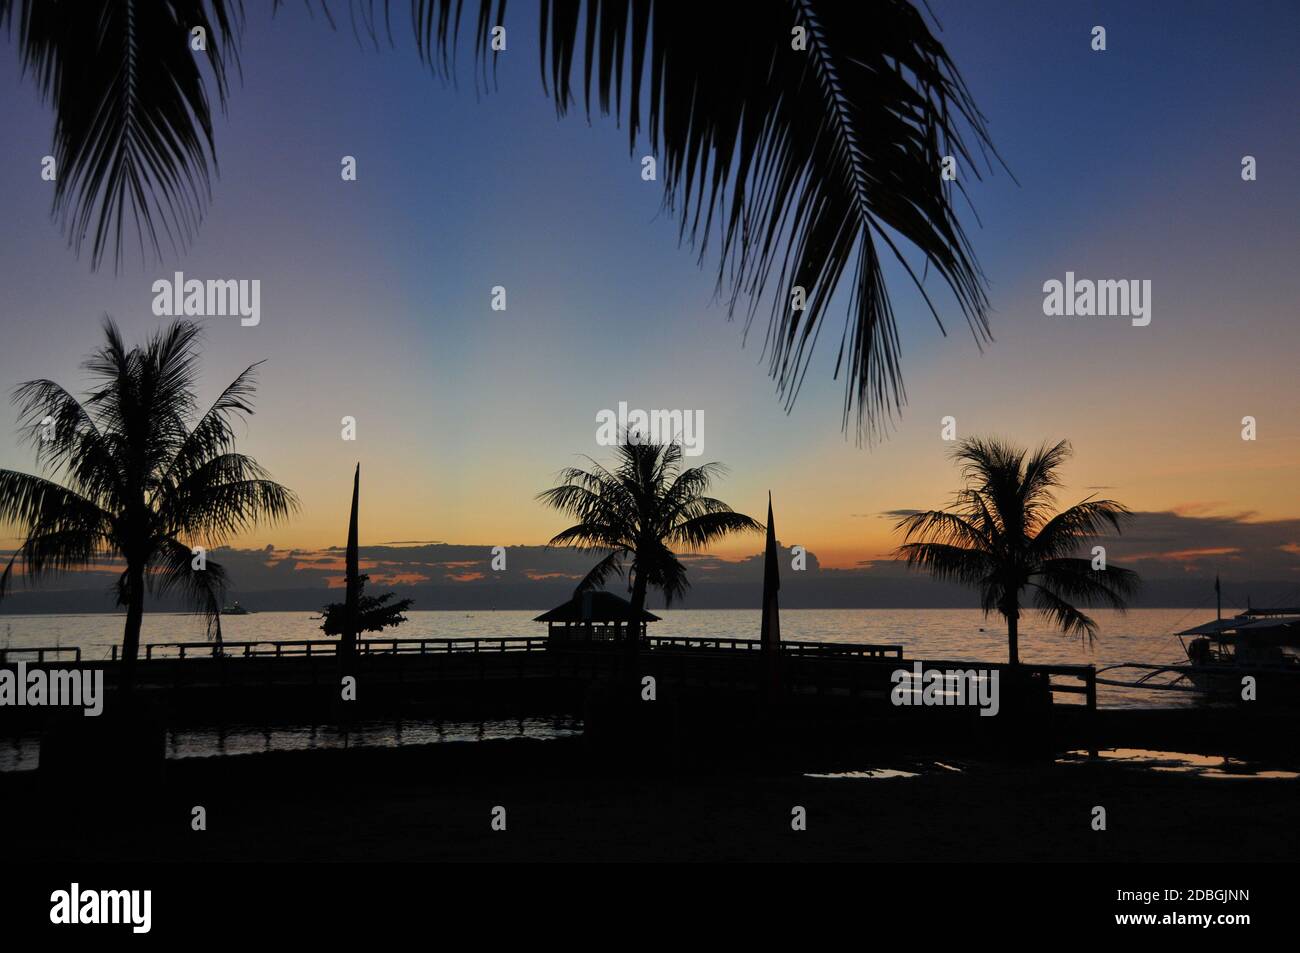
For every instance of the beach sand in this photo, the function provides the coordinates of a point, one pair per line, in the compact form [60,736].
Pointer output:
[435,803]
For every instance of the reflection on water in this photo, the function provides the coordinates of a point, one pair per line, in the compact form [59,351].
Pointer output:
[1179,762]
[873,773]
[23,753]
[913,770]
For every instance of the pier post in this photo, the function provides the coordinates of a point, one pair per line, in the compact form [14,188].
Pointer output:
[1090,682]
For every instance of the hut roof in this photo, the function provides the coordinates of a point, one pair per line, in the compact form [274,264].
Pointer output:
[594,607]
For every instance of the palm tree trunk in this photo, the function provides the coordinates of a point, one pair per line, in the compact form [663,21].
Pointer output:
[638,605]
[1013,633]
[131,636]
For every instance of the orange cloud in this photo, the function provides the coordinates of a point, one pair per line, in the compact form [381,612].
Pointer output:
[1187,555]
[1195,508]
[399,578]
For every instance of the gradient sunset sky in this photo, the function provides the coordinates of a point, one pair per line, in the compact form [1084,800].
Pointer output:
[375,293]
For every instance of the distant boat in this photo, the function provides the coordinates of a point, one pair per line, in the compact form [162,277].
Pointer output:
[236,609]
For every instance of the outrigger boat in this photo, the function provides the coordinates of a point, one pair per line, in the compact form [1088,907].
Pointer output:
[1262,643]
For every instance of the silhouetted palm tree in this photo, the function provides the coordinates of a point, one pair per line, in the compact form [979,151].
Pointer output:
[127,477]
[359,612]
[804,136]
[635,512]
[1001,537]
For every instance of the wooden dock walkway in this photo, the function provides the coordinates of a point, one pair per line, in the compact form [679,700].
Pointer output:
[514,674]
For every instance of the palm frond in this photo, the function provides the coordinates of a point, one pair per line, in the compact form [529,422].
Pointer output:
[970,567]
[1041,473]
[942,527]
[34,503]
[610,565]
[133,135]
[1067,530]
[699,531]
[203,590]
[216,501]
[1065,616]
[1073,578]
[68,443]
[665,572]
[214,434]
[63,531]
[807,161]
[808,167]
[592,535]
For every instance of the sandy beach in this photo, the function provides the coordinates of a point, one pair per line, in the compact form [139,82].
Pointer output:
[434,803]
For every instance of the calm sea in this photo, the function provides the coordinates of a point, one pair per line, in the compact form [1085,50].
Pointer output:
[1142,635]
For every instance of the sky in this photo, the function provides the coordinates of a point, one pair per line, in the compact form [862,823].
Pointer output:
[375,294]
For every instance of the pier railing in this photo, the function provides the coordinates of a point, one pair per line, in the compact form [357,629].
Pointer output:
[861,649]
[1082,679]
[439,646]
[19,653]
[862,671]
[312,647]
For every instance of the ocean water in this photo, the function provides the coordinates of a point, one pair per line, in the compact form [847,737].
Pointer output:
[1143,635]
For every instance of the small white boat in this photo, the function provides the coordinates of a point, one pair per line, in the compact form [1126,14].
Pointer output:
[236,609]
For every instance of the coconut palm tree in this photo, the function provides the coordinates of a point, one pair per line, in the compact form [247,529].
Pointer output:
[637,511]
[1002,538]
[129,479]
[804,138]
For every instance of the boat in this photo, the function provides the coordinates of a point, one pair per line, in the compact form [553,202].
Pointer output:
[236,609]
[1259,642]
[1263,644]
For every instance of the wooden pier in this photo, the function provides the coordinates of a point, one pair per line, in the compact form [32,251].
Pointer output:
[823,668]
[846,684]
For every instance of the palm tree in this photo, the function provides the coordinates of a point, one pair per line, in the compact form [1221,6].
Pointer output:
[1001,537]
[128,479]
[805,138]
[635,512]
[359,612]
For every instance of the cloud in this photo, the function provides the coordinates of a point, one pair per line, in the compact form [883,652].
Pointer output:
[1196,508]
[1256,557]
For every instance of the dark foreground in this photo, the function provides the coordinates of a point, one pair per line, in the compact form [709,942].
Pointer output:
[435,803]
